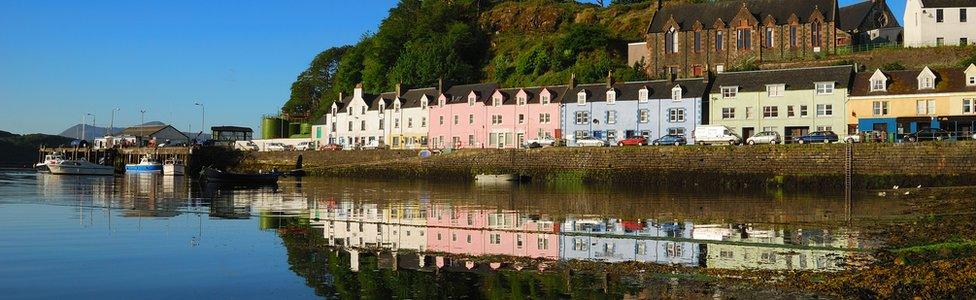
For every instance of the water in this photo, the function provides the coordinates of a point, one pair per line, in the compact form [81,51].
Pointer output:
[155,237]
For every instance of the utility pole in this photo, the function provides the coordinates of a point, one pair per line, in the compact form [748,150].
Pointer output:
[83,119]
[142,117]
[203,114]
[111,124]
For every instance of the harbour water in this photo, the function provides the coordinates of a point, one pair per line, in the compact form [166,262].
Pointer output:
[149,236]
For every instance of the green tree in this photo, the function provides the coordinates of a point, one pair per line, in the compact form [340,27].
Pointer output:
[313,89]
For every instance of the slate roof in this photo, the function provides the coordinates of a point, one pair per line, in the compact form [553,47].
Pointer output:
[708,13]
[948,3]
[459,93]
[794,79]
[141,131]
[387,98]
[412,97]
[854,15]
[905,82]
[629,91]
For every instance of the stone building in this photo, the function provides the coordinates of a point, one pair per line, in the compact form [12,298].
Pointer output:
[870,22]
[690,39]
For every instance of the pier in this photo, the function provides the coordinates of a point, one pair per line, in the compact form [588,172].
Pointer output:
[119,157]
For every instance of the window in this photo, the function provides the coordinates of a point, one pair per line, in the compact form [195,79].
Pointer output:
[455,119]
[676,115]
[611,117]
[396,107]
[521,118]
[878,85]
[925,83]
[939,16]
[769,128]
[611,135]
[643,116]
[582,117]
[440,102]
[825,128]
[581,134]
[494,239]
[581,98]
[642,95]
[470,118]
[728,113]
[697,41]
[793,36]
[676,130]
[545,99]
[770,112]
[815,37]
[611,97]
[470,140]
[364,110]
[423,122]
[750,112]
[939,41]
[673,250]
[543,243]
[879,108]
[334,110]
[496,101]
[544,118]
[729,92]
[963,41]
[825,110]
[769,37]
[925,107]
[825,88]
[520,100]
[676,93]
[471,99]
[496,119]
[409,122]
[790,111]
[671,41]
[350,125]
[803,111]
[967,106]
[362,125]
[972,80]
[396,123]
[440,120]
[423,105]
[718,40]
[382,124]
[775,90]
[719,68]
[743,39]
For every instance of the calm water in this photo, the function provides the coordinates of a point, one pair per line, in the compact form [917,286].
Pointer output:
[155,237]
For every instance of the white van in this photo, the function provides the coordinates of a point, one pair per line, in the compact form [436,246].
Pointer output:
[716,134]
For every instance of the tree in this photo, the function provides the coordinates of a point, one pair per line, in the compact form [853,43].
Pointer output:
[314,85]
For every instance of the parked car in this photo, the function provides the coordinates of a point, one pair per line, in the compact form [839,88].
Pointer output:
[851,138]
[671,139]
[330,147]
[817,137]
[715,134]
[275,147]
[765,137]
[305,146]
[928,134]
[590,142]
[249,146]
[633,141]
[539,143]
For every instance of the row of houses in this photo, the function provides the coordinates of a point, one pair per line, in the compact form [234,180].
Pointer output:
[467,231]
[792,102]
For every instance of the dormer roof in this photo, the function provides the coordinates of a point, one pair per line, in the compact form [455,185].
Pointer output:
[905,82]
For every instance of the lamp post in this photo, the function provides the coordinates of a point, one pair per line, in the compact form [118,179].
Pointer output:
[142,117]
[203,114]
[111,124]
[83,119]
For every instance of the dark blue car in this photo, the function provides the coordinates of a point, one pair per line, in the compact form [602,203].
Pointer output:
[817,137]
[671,139]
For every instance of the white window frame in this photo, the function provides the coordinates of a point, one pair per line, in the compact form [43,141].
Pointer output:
[611,117]
[969,105]
[642,95]
[804,111]
[728,113]
[926,83]
[971,80]
[770,112]
[676,115]
[544,99]
[520,100]
[611,97]
[496,101]
[676,93]
[581,98]
[730,92]
[643,116]
[824,88]
[878,85]
[582,117]
[471,100]
[775,90]
[825,110]
[879,108]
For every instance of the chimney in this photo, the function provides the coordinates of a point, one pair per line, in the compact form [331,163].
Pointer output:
[707,77]
[671,78]
[572,81]
[340,97]
[358,92]
[398,90]
[610,81]
[440,85]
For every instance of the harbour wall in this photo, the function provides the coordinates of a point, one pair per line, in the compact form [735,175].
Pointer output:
[871,165]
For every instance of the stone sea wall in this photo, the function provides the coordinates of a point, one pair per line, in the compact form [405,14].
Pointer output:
[874,165]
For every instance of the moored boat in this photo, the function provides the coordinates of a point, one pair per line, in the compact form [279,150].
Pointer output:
[173,167]
[50,159]
[145,165]
[212,175]
[80,167]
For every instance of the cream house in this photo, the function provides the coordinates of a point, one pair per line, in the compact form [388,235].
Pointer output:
[939,22]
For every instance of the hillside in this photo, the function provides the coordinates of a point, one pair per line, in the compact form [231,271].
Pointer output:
[21,150]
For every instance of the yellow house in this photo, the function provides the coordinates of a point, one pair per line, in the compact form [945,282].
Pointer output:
[905,101]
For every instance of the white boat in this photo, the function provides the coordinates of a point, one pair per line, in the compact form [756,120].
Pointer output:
[80,167]
[174,167]
[50,159]
[145,165]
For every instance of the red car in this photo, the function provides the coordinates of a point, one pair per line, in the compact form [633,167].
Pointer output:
[330,147]
[633,141]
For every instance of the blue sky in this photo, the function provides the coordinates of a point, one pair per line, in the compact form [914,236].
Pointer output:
[62,59]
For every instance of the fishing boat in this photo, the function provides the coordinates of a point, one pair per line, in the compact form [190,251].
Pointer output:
[173,167]
[50,159]
[212,175]
[80,167]
[145,165]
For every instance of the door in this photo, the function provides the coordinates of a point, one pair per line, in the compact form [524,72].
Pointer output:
[792,132]
[520,139]
[747,132]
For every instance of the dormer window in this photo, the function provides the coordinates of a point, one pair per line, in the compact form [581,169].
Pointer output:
[824,88]
[676,93]
[396,107]
[363,110]
[611,96]
[349,112]
[471,100]
[925,83]
[775,90]
[581,98]
[544,99]
[382,107]
[642,95]
[334,111]
[729,92]
[520,100]
[423,103]
[440,102]
[971,81]
[878,85]
[496,101]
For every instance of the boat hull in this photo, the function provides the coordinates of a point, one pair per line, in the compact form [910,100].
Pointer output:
[215,176]
[81,169]
[144,168]
[174,170]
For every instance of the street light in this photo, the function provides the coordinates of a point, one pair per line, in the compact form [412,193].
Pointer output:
[111,124]
[83,119]
[203,114]
[142,117]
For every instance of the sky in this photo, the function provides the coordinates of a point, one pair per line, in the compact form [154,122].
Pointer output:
[61,60]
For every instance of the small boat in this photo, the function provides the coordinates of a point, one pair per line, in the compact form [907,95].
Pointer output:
[50,159]
[80,167]
[173,167]
[145,165]
[212,175]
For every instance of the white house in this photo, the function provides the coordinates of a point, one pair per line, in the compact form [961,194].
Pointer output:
[353,122]
[939,22]
[408,118]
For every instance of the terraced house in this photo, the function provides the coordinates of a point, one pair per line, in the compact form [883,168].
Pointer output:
[407,115]
[614,111]
[354,121]
[520,114]
[905,101]
[459,119]
[791,102]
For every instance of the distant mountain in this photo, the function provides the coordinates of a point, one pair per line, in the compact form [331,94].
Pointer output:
[21,150]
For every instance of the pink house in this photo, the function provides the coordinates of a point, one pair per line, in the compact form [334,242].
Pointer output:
[458,120]
[519,114]
[482,232]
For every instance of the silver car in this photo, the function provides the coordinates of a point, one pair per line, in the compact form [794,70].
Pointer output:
[590,142]
[765,137]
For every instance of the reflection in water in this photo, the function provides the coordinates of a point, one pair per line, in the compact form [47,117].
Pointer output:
[415,239]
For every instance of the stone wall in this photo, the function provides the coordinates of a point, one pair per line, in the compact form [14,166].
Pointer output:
[875,165]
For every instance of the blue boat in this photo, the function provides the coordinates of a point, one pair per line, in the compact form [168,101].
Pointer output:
[145,165]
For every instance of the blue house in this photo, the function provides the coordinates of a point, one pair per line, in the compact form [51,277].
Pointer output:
[615,111]
[614,240]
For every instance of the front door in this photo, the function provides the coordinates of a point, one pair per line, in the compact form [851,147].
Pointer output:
[747,132]
[792,132]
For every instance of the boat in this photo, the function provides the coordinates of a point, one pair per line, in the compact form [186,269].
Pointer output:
[80,167]
[173,167]
[145,165]
[212,175]
[50,159]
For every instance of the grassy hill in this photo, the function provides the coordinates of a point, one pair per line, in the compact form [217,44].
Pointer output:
[21,150]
